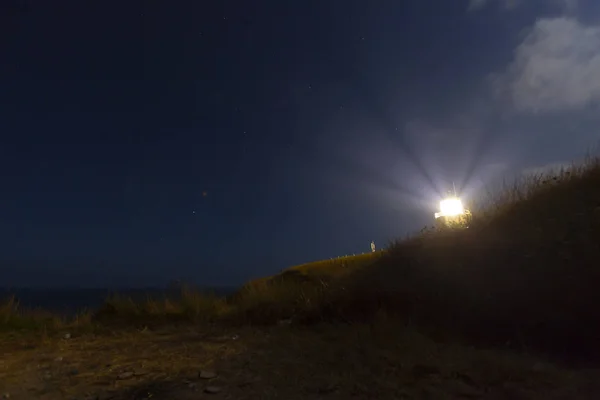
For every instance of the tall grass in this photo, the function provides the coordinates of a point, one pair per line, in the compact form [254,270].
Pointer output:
[15,318]
[190,306]
[525,274]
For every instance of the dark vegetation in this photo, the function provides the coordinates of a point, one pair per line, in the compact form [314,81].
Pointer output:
[524,275]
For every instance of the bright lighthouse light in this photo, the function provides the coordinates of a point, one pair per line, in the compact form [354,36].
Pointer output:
[451,207]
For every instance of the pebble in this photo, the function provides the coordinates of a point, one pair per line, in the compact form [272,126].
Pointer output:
[207,375]
[212,389]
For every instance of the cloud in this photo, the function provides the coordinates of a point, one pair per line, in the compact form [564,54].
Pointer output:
[555,68]
[477,4]
[568,5]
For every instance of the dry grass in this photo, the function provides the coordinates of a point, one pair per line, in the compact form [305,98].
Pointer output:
[524,274]
[339,266]
[523,277]
[13,318]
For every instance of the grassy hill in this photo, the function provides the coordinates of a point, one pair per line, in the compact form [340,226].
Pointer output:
[505,309]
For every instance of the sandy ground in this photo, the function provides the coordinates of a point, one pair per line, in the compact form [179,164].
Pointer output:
[325,362]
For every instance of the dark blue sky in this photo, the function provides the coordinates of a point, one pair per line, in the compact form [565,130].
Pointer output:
[220,141]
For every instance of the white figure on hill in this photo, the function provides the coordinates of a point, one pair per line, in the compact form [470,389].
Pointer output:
[373,246]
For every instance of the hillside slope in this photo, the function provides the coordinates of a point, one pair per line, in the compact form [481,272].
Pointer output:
[505,309]
[525,274]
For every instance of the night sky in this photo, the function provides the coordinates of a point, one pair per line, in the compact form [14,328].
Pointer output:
[217,141]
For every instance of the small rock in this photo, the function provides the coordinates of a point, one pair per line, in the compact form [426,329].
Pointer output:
[58,359]
[125,375]
[6,396]
[212,389]
[207,375]
[235,337]
[192,385]
[67,336]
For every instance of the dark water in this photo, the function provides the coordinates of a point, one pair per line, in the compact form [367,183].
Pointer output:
[71,300]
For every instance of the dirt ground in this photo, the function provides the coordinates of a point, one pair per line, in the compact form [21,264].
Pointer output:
[284,362]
